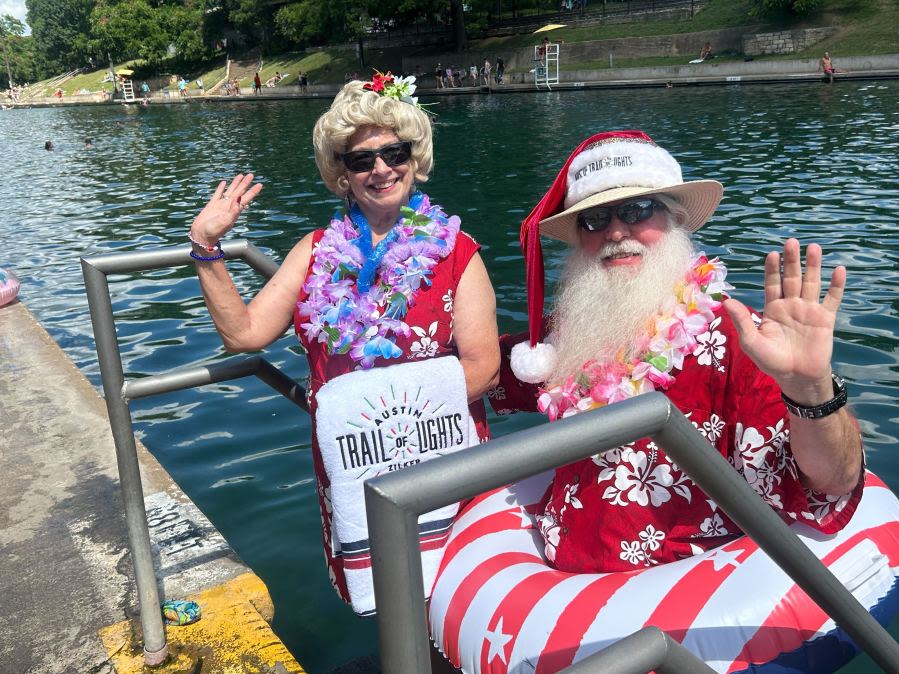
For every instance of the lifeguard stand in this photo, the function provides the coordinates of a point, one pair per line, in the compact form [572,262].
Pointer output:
[128,90]
[546,65]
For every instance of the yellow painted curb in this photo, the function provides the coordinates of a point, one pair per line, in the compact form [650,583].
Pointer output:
[231,637]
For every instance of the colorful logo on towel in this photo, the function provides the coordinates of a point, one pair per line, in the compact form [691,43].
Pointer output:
[396,430]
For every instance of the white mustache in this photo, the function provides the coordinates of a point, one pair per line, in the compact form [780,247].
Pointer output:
[623,247]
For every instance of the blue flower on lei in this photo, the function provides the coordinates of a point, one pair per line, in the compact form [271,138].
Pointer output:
[346,314]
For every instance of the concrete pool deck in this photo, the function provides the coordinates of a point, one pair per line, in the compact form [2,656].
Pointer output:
[69,600]
[717,72]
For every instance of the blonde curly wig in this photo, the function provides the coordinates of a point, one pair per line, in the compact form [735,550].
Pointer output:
[354,108]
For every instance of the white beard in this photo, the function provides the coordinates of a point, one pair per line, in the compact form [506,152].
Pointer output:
[601,311]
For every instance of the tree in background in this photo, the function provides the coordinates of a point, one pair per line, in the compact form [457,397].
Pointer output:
[10,28]
[61,33]
[255,19]
[187,30]
[458,14]
[130,29]
[317,22]
[774,7]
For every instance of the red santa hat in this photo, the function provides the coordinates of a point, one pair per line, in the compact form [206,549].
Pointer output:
[605,168]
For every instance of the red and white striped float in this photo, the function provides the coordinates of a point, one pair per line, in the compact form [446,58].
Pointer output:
[497,607]
[9,287]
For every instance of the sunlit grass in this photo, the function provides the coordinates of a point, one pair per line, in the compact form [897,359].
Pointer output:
[717,14]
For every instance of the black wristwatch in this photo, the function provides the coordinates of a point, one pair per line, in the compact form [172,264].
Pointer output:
[840,397]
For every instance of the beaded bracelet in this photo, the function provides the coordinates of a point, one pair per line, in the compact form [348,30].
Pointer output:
[211,248]
[208,259]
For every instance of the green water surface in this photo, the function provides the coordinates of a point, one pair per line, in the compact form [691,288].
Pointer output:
[811,161]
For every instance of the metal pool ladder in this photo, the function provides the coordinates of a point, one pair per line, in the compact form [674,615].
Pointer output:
[119,392]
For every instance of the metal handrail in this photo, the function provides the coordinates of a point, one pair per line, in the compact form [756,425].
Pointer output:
[118,393]
[395,500]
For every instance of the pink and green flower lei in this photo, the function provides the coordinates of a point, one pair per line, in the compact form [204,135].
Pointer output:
[365,324]
[671,336]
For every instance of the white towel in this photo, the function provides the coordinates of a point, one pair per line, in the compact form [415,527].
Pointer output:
[375,421]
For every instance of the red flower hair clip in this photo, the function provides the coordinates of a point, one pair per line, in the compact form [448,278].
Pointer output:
[378,81]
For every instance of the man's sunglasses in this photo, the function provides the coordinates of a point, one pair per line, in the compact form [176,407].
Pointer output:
[632,212]
[360,161]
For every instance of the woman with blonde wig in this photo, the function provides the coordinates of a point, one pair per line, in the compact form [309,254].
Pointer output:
[391,280]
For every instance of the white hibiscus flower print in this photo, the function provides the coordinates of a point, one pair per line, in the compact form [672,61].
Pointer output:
[713,526]
[638,481]
[608,460]
[638,552]
[497,393]
[762,461]
[325,494]
[570,498]
[425,347]
[713,428]
[710,346]
[632,552]
[448,301]
[551,530]
[825,505]
[651,538]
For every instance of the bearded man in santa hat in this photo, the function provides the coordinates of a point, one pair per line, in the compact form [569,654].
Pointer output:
[640,309]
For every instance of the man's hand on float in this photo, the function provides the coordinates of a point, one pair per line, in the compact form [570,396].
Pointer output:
[221,212]
[794,342]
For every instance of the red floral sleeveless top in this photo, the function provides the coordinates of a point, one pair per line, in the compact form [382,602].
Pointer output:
[430,320]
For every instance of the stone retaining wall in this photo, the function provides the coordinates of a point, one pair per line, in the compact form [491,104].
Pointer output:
[784,42]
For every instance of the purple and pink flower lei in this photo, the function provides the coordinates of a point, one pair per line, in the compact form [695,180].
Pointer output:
[670,337]
[364,325]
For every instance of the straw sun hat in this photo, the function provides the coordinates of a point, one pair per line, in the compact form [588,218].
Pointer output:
[624,165]
[606,168]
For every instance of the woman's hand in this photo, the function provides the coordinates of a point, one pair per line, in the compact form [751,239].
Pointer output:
[219,215]
[794,342]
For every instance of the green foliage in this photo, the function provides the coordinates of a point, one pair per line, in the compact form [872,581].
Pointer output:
[61,30]
[129,29]
[11,30]
[317,22]
[184,25]
[776,8]
[253,18]
[10,26]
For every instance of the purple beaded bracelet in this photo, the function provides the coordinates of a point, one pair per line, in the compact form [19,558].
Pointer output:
[208,259]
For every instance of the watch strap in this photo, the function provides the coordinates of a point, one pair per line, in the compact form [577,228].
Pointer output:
[840,398]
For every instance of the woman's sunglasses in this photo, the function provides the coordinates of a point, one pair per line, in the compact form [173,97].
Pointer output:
[632,212]
[360,161]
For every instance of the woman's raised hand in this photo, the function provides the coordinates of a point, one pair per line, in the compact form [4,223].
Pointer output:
[219,215]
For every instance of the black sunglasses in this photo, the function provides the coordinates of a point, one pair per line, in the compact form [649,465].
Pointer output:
[632,212]
[360,161]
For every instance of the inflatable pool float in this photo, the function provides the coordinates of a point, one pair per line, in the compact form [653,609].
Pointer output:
[9,287]
[497,607]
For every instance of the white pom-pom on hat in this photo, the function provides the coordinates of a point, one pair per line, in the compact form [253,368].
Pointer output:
[533,365]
